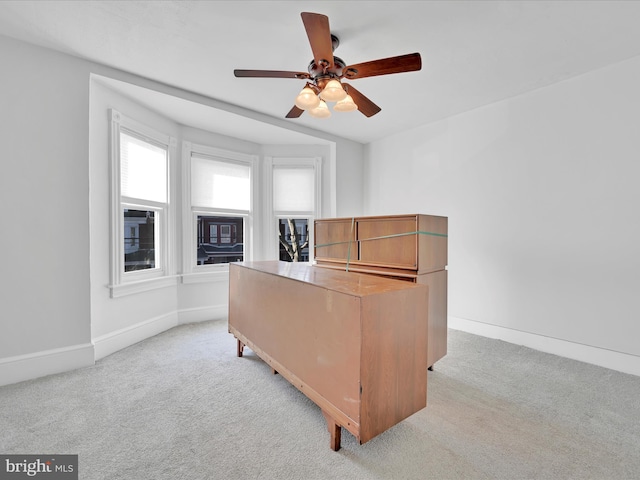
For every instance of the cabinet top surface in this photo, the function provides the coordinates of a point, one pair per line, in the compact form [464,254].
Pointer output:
[376,217]
[350,283]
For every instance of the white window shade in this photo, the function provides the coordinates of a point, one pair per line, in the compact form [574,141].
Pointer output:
[293,189]
[216,184]
[143,169]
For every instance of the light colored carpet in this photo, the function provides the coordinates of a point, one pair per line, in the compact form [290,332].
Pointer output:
[181,405]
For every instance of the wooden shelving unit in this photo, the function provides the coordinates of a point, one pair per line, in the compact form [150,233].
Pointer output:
[406,247]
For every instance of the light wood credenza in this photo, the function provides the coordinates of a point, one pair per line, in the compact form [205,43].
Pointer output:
[355,344]
[407,247]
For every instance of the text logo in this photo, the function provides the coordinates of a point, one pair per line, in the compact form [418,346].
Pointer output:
[46,467]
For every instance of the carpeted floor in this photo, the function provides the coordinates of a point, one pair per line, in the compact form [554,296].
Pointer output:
[181,405]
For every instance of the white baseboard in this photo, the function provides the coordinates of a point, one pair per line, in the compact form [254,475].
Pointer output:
[48,362]
[203,314]
[125,337]
[622,362]
[39,364]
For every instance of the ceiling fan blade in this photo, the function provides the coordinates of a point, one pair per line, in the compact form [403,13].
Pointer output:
[270,74]
[295,112]
[384,66]
[317,27]
[366,106]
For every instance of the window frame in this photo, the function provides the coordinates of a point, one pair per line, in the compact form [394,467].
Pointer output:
[163,274]
[273,216]
[192,272]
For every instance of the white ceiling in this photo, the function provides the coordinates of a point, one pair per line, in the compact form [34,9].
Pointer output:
[473,52]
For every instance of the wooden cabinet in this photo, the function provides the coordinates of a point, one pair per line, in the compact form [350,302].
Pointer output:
[388,242]
[335,239]
[355,344]
[407,247]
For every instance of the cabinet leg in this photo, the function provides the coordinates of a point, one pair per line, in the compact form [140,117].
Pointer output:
[335,430]
[240,348]
[430,368]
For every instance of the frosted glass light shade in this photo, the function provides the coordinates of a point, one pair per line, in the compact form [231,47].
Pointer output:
[333,91]
[345,105]
[307,99]
[321,111]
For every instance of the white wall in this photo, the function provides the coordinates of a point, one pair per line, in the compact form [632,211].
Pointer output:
[44,199]
[542,196]
[349,179]
[54,300]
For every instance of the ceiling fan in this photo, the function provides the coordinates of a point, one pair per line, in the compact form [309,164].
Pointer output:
[326,71]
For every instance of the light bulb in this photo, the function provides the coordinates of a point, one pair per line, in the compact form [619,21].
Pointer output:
[345,105]
[333,91]
[321,111]
[307,99]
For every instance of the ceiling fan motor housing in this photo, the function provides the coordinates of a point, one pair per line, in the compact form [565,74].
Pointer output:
[320,73]
[317,71]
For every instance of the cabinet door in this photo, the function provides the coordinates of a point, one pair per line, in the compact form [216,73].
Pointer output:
[335,240]
[389,241]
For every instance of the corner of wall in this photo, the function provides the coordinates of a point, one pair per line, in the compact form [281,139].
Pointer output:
[125,337]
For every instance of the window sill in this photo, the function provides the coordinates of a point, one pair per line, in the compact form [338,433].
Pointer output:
[131,288]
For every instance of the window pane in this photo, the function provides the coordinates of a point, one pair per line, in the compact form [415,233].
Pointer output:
[143,169]
[216,184]
[139,240]
[220,239]
[293,189]
[293,236]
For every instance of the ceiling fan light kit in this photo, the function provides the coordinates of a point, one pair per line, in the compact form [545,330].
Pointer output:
[333,91]
[326,71]
[321,111]
[345,105]
[307,99]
